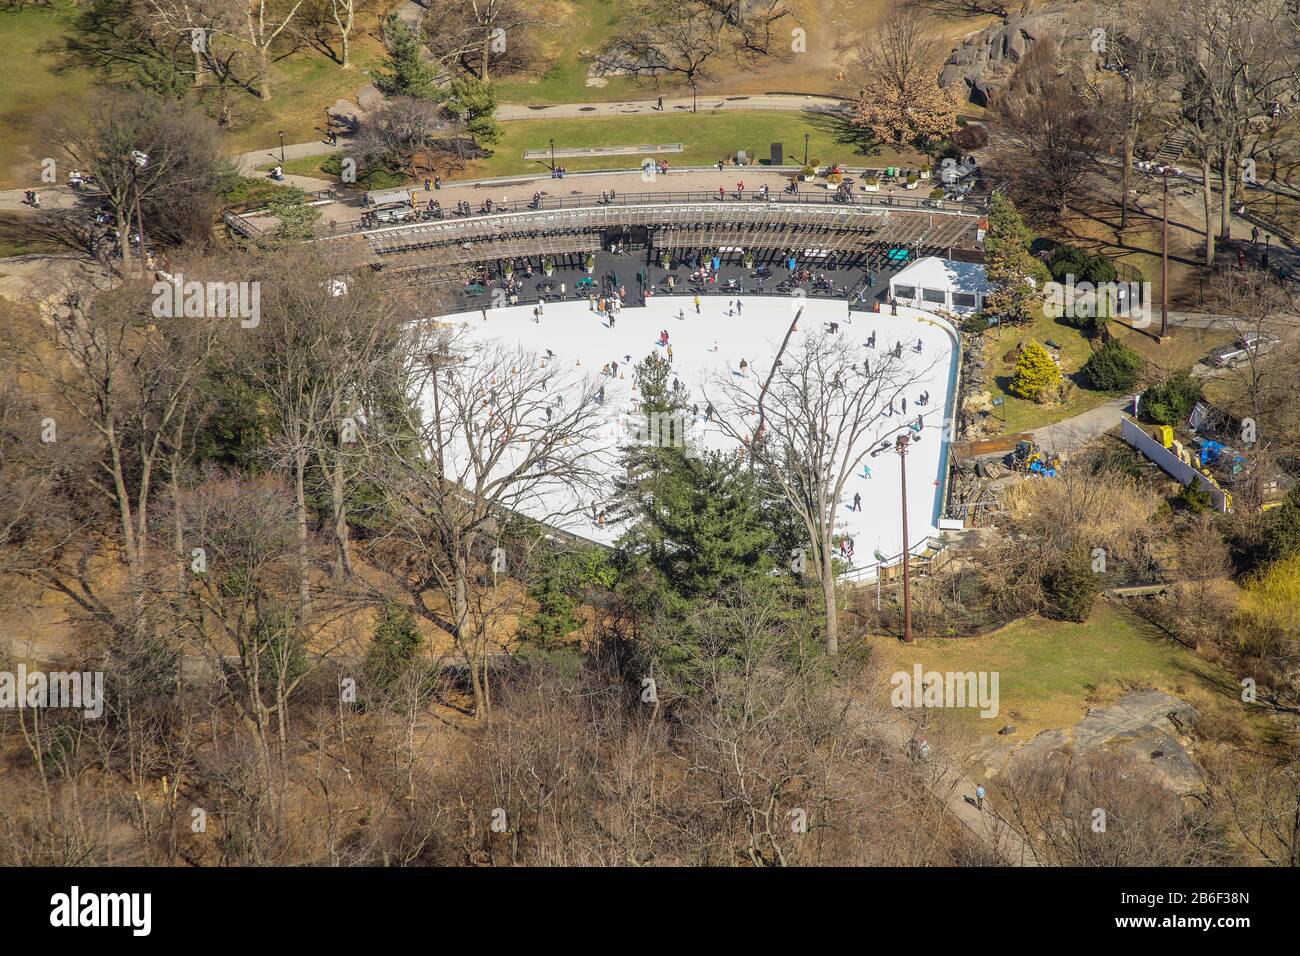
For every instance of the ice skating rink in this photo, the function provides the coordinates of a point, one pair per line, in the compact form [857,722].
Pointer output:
[710,345]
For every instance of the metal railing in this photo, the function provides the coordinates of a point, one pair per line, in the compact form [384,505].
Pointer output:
[749,198]
[869,573]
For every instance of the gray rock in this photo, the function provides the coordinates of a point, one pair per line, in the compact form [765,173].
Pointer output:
[983,64]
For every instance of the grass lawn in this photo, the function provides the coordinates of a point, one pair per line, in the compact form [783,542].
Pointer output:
[1184,348]
[562,77]
[1051,672]
[707,137]
[302,87]
[30,88]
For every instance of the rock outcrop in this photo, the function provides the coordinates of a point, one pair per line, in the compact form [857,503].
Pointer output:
[983,64]
[1150,726]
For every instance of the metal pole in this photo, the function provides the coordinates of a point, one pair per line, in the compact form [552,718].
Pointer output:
[693,92]
[552,155]
[901,447]
[281,147]
[1164,260]
[805,148]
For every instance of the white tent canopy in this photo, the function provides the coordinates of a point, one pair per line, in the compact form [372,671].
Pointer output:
[934,283]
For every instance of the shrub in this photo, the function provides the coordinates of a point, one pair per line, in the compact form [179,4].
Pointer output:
[971,136]
[1282,528]
[394,646]
[1193,498]
[1114,367]
[1070,587]
[1072,261]
[936,193]
[1035,372]
[1170,401]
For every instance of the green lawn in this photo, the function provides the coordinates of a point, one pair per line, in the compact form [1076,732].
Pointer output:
[707,137]
[585,25]
[302,87]
[1023,414]
[30,88]
[1183,349]
[1050,672]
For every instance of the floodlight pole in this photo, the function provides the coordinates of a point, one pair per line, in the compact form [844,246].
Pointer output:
[1164,256]
[900,446]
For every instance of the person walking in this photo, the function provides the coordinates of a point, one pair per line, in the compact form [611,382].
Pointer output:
[980,794]
[857,501]
[697,305]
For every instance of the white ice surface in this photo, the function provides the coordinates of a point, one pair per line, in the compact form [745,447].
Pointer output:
[578,335]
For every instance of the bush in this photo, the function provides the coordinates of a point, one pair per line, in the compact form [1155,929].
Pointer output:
[1072,261]
[1282,529]
[1170,401]
[394,646]
[1193,498]
[1071,587]
[1035,373]
[971,136]
[1114,367]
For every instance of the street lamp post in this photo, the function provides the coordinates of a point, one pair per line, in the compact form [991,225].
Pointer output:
[1164,256]
[552,155]
[900,446]
[805,148]
[281,147]
[694,90]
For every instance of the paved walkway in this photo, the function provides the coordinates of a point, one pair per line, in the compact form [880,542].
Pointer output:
[1073,433]
[786,102]
[952,788]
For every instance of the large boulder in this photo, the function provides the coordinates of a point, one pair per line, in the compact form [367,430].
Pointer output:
[1150,726]
[983,64]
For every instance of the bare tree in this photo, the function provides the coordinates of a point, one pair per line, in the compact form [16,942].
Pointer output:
[810,424]
[480,436]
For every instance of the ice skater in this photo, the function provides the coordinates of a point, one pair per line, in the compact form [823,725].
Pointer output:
[866,471]
[857,501]
[871,339]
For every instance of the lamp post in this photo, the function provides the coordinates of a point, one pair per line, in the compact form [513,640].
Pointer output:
[805,148]
[900,446]
[281,147]
[552,155]
[694,90]
[1164,255]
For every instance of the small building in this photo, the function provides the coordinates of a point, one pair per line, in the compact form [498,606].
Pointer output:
[390,205]
[941,284]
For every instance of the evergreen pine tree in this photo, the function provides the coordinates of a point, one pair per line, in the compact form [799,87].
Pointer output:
[410,73]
